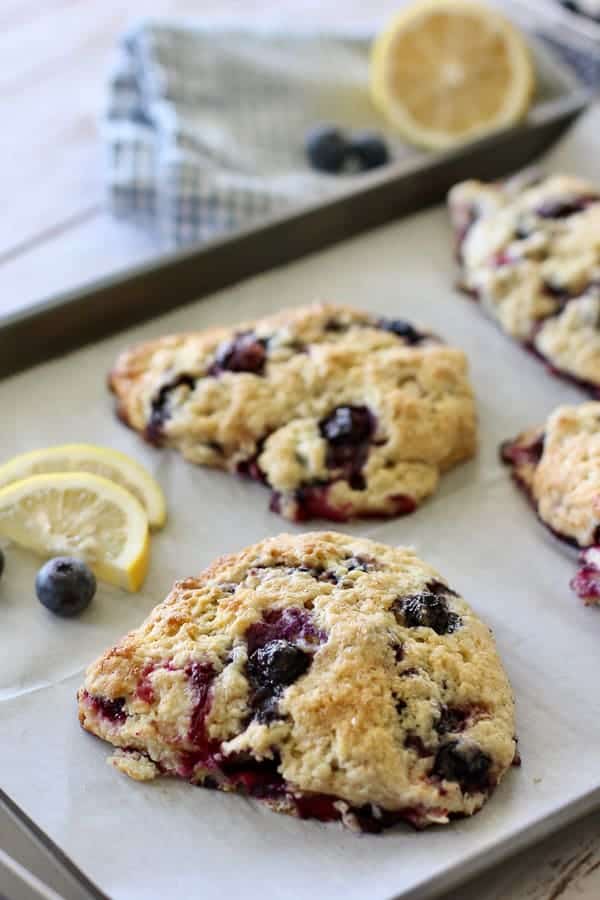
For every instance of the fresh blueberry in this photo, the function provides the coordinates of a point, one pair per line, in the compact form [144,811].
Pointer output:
[348,431]
[326,149]
[427,610]
[277,664]
[245,353]
[465,764]
[272,667]
[402,329]
[452,719]
[160,406]
[347,425]
[65,586]
[265,706]
[369,149]
[114,710]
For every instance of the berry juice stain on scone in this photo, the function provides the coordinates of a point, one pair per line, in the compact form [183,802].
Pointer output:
[340,413]
[329,677]
[530,254]
[558,467]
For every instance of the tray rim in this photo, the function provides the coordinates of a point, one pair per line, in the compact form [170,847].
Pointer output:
[72,319]
[458,874]
[524,838]
[44,842]
[548,121]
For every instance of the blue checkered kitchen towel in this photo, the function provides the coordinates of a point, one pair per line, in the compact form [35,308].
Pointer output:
[205,125]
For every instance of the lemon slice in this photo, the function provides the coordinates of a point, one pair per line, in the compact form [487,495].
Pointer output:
[101,461]
[83,515]
[447,71]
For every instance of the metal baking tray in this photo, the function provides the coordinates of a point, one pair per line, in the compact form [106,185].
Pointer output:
[32,867]
[72,320]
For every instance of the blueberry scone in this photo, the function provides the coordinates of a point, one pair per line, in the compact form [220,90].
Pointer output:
[340,413]
[530,254]
[328,676]
[558,466]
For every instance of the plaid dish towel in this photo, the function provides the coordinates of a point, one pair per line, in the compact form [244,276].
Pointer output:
[205,125]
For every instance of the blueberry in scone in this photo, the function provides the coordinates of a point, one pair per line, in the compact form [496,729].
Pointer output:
[339,412]
[530,254]
[558,466]
[328,676]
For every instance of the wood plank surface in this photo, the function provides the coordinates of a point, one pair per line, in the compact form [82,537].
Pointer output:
[56,235]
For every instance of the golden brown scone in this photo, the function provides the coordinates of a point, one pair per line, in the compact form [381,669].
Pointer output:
[342,414]
[558,465]
[331,677]
[530,253]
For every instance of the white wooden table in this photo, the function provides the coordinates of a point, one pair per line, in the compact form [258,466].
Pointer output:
[55,234]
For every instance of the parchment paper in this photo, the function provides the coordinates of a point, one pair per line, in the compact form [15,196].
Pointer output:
[168,839]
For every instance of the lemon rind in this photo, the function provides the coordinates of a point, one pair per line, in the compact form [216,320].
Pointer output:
[129,569]
[517,101]
[20,467]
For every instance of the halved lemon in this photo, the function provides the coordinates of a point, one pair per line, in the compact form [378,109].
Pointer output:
[447,71]
[83,515]
[103,461]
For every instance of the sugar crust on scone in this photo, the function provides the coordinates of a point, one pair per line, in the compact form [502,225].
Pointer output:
[341,413]
[329,676]
[530,254]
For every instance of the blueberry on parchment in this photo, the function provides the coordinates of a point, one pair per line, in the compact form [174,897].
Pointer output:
[65,586]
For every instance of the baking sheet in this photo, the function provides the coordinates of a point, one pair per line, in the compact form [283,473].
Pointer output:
[167,838]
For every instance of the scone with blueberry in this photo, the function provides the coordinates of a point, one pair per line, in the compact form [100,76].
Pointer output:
[339,412]
[328,676]
[530,254]
[558,466]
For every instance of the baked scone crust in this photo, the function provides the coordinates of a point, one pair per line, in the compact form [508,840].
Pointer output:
[530,254]
[558,465]
[396,706]
[342,414]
